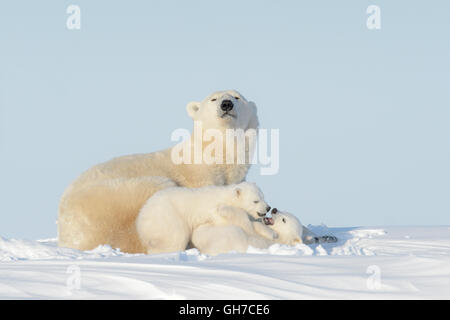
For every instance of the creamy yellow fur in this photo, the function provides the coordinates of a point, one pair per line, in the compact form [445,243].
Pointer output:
[101,206]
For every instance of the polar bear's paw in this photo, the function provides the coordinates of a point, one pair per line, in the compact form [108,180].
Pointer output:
[325,239]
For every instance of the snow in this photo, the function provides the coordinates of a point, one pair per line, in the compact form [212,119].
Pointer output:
[366,263]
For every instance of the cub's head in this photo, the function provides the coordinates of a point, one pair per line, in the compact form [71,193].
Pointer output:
[286,225]
[224,110]
[250,198]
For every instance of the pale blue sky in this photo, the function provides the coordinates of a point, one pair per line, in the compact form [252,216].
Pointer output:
[363,115]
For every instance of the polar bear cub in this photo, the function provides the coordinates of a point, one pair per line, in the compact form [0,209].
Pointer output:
[166,221]
[214,240]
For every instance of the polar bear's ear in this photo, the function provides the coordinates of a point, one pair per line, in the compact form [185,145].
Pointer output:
[192,109]
[253,120]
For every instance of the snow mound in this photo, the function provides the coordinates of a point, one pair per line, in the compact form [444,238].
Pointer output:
[13,249]
[351,242]
[368,233]
[47,249]
[411,262]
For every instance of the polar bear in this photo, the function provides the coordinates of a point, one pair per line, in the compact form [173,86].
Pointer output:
[166,221]
[101,205]
[215,239]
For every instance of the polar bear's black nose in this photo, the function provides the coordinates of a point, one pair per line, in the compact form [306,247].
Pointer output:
[226,105]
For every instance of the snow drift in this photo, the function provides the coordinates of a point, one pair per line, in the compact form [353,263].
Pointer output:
[385,263]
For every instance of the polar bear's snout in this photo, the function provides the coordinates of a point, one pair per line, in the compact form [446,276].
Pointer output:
[262,214]
[227,105]
[268,221]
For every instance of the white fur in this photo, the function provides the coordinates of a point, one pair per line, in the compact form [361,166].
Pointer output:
[101,205]
[166,221]
[215,239]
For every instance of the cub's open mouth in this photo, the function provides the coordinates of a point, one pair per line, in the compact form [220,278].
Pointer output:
[268,221]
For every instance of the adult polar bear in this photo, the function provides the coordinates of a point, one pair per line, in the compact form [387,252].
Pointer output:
[101,205]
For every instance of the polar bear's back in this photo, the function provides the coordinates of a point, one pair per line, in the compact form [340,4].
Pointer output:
[192,202]
[129,166]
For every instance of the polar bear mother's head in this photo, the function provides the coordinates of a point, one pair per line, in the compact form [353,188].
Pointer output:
[224,110]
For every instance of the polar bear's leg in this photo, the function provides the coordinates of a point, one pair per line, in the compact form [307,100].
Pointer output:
[104,212]
[161,227]
[238,217]
[214,240]
[259,242]
[264,231]
[168,243]
[163,232]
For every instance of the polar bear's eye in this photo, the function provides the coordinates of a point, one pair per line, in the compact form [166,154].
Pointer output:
[284,220]
[213,99]
[237,98]
[256,201]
